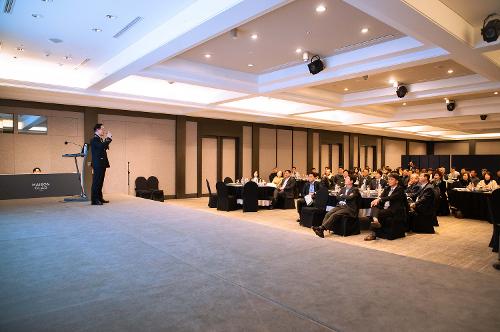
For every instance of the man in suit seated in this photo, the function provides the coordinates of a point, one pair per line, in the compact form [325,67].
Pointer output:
[390,204]
[347,205]
[328,177]
[338,179]
[422,210]
[273,174]
[286,189]
[364,179]
[412,186]
[310,188]
[377,181]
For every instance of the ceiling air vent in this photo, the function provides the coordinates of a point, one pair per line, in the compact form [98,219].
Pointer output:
[128,26]
[56,40]
[9,5]
[81,64]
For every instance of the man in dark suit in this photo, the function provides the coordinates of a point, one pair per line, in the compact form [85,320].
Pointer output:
[412,186]
[378,181]
[338,179]
[347,205]
[286,189]
[364,179]
[390,205]
[99,162]
[310,188]
[422,210]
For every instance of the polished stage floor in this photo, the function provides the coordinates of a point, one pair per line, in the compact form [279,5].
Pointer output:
[177,266]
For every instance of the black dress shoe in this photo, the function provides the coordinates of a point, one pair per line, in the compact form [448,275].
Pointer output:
[319,232]
[97,203]
[104,201]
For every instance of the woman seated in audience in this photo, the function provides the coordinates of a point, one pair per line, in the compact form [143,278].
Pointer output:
[255,177]
[498,177]
[278,178]
[463,182]
[487,183]
[443,207]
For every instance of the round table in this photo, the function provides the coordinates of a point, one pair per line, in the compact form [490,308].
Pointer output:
[472,204]
[265,193]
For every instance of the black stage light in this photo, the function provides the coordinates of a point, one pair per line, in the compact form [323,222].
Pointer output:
[491,29]
[401,91]
[450,105]
[315,66]
[483,116]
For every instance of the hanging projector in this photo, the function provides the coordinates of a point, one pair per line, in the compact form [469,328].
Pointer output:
[316,65]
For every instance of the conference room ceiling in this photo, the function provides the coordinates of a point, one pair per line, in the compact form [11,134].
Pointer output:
[182,58]
[280,33]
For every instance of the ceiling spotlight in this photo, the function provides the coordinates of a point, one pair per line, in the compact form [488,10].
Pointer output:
[20,49]
[401,91]
[254,36]
[299,50]
[37,15]
[250,65]
[320,9]
[305,56]
[346,89]
[97,30]
[364,30]
[491,29]
[404,104]
[395,84]
[208,56]
[450,105]
[495,93]
[392,80]
[110,17]
[316,65]
[67,57]
[234,33]
[47,54]
[450,71]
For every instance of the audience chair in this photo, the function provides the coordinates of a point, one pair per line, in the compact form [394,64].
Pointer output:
[225,202]
[250,197]
[156,193]
[394,227]
[494,207]
[212,198]
[347,226]
[141,188]
[313,215]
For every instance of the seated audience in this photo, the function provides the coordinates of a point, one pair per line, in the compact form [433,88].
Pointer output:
[255,177]
[422,208]
[473,177]
[273,174]
[364,179]
[315,172]
[463,182]
[390,205]
[347,205]
[378,182]
[328,177]
[285,189]
[405,177]
[295,174]
[444,207]
[498,177]
[443,171]
[278,179]
[487,183]
[483,171]
[454,175]
[338,179]
[310,188]
[413,186]
[37,170]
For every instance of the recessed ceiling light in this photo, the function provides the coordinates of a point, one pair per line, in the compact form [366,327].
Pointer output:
[364,30]
[208,56]
[67,57]
[404,104]
[392,80]
[320,9]
[450,71]
[20,49]
[346,89]
[254,36]
[37,15]
[298,50]
[250,65]
[495,93]
[110,17]
[97,30]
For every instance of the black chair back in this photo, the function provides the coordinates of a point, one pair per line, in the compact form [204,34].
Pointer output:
[321,198]
[495,206]
[141,183]
[228,180]
[250,197]
[153,183]
[222,191]
[208,187]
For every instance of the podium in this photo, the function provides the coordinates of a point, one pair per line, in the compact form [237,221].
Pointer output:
[83,154]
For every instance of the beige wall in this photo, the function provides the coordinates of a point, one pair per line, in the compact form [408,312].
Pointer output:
[285,149]
[393,152]
[369,155]
[191,157]
[490,147]
[149,146]
[362,161]
[417,148]
[355,158]
[325,157]
[316,152]
[379,153]
[346,151]
[229,158]
[335,156]
[209,164]
[451,148]
[300,151]
[20,153]
[267,151]
[247,152]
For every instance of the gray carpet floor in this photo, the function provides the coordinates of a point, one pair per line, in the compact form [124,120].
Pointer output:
[141,265]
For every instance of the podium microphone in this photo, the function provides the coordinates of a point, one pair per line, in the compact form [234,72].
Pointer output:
[66,142]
